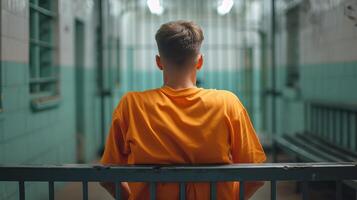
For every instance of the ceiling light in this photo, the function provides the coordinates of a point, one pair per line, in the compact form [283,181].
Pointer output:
[155,7]
[225,6]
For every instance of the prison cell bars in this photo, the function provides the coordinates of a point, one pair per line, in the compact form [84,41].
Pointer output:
[273,172]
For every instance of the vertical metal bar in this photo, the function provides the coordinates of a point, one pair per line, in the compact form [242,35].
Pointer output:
[324,122]
[319,118]
[348,130]
[273,190]
[213,190]
[321,127]
[355,131]
[315,120]
[85,190]
[37,65]
[308,117]
[330,126]
[22,190]
[51,193]
[152,190]
[338,190]
[241,190]
[182,191]
[326,117]
[334,122]
[321,121]
[341,134]
[305,190]
[273,63]
[117,191]
[312,120]
[101,75]
[316,116]
[274,151]
[305,116]
[318,121]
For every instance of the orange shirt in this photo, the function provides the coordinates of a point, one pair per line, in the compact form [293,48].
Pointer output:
[186,126]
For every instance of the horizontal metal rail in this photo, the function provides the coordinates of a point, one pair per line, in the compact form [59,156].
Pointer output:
[302,172]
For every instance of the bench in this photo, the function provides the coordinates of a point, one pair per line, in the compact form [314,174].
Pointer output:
[330,135]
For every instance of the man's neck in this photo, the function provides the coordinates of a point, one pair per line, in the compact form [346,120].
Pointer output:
[178,86]
[180,81]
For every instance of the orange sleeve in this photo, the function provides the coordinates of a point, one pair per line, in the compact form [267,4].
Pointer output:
[116,148]
[246,147]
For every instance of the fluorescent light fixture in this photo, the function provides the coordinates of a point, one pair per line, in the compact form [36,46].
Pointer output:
[225,6]
[155,7]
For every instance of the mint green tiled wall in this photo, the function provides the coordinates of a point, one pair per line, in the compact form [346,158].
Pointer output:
[48,136]
[326,82]
[330,81]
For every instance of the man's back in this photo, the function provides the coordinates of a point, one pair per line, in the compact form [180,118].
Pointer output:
[188,126]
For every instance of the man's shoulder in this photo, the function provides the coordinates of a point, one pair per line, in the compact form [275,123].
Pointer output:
[132,98]
[223,97]
[138,94]
[225,94]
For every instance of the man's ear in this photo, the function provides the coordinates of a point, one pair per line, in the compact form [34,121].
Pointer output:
[199,63]
[158,62]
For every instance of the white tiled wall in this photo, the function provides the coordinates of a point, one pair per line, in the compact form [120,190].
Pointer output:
[14,30]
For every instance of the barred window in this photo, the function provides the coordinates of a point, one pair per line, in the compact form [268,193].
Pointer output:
[43,73]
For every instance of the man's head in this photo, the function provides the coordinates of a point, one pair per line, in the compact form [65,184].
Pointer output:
[179,44]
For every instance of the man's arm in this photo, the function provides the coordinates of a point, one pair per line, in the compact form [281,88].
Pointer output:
[110,187]
[116,152]
[246,148]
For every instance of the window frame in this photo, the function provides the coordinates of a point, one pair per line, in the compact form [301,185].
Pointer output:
[48,96]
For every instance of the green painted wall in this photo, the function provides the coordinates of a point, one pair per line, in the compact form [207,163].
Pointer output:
[48,136]
[331,82]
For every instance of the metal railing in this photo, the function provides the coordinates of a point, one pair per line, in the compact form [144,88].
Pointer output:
[302,172]
[334,122]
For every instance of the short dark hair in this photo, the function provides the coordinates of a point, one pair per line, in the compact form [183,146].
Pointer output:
[179,41]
